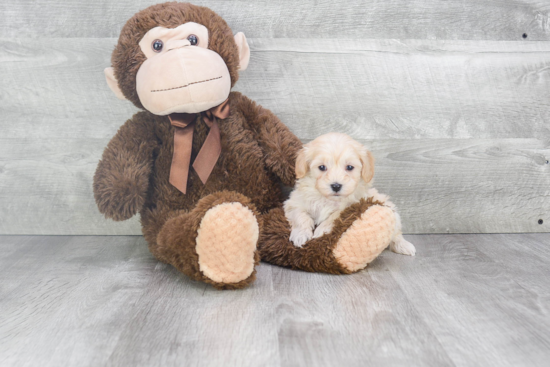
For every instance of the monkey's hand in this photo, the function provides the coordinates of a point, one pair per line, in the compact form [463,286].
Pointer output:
[121,179]
[120,188]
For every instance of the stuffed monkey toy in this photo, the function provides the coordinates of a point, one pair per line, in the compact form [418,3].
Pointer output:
[204,166]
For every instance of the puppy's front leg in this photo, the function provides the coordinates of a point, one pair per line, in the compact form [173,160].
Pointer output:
[302,227]
[326,225]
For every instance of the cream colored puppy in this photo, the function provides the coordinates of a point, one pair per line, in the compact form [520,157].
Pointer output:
[333,172]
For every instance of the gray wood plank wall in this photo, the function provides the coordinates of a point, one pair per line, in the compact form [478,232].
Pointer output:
[451,98]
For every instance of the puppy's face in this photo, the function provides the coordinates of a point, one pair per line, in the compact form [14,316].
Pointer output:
[336,163]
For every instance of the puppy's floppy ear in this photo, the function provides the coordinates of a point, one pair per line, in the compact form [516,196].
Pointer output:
[367,160]
[302,165]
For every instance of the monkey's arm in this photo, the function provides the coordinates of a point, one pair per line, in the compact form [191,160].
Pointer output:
[278,143]
[122,175]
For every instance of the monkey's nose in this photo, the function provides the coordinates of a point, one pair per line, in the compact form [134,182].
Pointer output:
[175,44]
[336,187]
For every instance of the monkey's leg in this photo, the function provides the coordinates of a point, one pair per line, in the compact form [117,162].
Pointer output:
[215,242]
[361,233]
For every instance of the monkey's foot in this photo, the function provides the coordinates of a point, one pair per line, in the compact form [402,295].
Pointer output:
[226,243]
[366,238]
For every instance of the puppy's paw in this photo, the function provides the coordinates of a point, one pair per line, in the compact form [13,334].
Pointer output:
[299,236]
[322,229]
[401,246]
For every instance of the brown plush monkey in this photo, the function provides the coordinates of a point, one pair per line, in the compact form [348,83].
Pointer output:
[203,166]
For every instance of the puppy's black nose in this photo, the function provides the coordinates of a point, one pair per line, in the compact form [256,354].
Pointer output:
[336,187]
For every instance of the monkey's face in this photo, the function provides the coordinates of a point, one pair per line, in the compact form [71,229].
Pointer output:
[181,74]
[169,67]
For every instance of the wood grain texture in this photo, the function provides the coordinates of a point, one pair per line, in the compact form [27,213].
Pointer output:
[96,301]
[464,300]
[524,259]
[439,185]
[368,88]
[325,320]
[421,19]
[205,327]
[460,128]
[405,89]
[459,287]
[466,186]
[55,88]
[46,188]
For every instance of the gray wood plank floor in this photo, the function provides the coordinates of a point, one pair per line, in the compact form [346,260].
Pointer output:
[464,300]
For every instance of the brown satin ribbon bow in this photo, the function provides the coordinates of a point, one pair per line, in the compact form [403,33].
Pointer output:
[183,142]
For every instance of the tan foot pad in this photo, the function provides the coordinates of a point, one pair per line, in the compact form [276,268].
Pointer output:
[226,243]
[366,238]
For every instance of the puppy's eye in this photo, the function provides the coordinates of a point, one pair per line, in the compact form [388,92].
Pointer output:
[322,168]
[193,40]
[157,45]
[349,168]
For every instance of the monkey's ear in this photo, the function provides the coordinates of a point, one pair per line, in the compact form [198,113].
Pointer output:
[112,82]
[244,50]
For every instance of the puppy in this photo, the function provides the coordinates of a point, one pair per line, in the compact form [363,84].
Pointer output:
[333,172]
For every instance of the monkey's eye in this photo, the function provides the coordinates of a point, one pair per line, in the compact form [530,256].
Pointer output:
[193,40]
[349,168]
[157,45]
[322,168]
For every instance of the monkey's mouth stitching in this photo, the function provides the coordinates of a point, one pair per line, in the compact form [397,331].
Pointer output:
[186,85]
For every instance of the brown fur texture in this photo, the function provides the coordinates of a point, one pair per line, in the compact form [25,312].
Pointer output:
[176,240]
[125,170]
[128,57]
[258,155]
[317,254]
